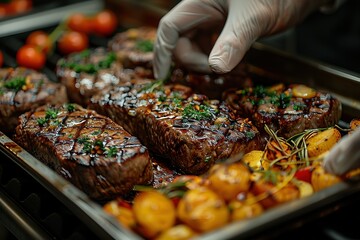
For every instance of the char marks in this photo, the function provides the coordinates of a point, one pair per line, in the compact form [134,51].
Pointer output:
[88,149]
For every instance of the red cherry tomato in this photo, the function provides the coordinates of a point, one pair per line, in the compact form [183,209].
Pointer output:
[73,41]
[1,59]
[3,10]
[30,57]
[39,39]
[105,23]
[80,23]
[304,174]
[19,6]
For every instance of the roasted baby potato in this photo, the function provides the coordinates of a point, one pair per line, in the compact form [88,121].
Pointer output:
[203,210]
[322,142]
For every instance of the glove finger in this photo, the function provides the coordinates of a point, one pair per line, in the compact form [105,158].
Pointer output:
[183,17]
[344,156]
[189,55]
[238,34]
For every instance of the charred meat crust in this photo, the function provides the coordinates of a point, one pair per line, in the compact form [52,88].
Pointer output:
[22,90]
[91,151]
[282,111]
[92,71]
[165,122]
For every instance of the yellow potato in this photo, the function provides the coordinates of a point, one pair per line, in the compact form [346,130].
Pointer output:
[255,160]
[123,214]
[355,123]
[305,188]
[271,195]
[321,179]
[178,232]
[242,209]
[229,180]
[153,212]
[278,88]
[322,141]
[303,91]
[203,210]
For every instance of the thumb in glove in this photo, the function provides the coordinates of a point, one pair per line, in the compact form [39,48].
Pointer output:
[245,21]
[345,155]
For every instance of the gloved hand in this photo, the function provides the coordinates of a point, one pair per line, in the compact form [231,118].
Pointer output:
[345,155]
[188,28]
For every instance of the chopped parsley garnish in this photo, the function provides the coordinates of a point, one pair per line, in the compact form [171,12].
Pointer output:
[96,132]
[249,135]
[162,98]
[299,106]
[41,121]
[87,147]
[15,83]
[260,91]
[145,45]
[281,100]
[263,95]
[207,159]
[99,143]
[70,107]
[83,139]
[112,152]
[198,112]
[90,68]
[96,147]
[51,113]
[176,103]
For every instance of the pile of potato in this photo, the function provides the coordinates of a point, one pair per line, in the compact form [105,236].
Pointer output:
[232,191]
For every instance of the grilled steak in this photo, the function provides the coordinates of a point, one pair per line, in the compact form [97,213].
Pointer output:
[188,130]
[91,151]
[22,90]
[211,85]
[134,47]
[87,73]
[288,110]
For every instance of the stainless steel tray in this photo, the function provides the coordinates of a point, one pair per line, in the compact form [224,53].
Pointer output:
[263,62]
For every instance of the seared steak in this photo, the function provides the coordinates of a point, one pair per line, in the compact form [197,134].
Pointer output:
[188,130]
[91,71]
[22,90]
[91,151]
[134,47]
[288,110]
[211,85]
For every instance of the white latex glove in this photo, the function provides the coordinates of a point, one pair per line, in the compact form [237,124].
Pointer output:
[239,22]
[345,155]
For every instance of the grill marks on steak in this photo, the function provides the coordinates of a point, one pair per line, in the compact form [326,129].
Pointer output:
[282,110]
[92,71]
[188,130]
[22,90]
[91,151]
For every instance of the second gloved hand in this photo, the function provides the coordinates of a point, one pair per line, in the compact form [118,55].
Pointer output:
[187,29]
[345,155]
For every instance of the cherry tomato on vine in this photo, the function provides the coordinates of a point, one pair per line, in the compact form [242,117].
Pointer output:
[31,57]
[104,23]
[1,59]
[19,6]
[80,23]
[3,10]
[39,39]
[304,174]
[72,41]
